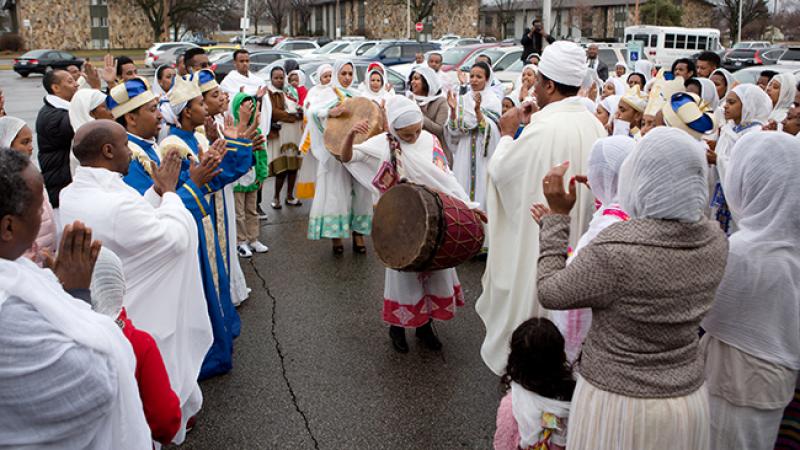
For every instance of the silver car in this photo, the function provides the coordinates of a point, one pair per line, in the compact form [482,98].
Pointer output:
[165,53]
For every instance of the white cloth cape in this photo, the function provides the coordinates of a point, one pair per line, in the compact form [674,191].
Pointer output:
[528,408]
[126,428]
[757,305]
[786,98]
[559,132]
[156,239]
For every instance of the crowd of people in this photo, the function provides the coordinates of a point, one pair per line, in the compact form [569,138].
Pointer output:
[641,283]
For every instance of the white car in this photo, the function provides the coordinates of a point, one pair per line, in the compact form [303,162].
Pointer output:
[353,50]
[300,47]
[331,47]
[160,51]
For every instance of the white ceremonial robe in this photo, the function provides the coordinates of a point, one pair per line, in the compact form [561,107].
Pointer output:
[561,131]
[234,82]
[156,239]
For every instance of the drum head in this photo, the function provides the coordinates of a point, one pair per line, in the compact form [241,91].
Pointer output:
[357,109]
[405,226]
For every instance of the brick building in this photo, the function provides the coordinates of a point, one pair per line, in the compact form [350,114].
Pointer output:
[378,19]
[76,24]
[588,19]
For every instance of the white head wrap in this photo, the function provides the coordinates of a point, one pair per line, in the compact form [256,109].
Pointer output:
[563,62]
[610,104]
[82,103]
[155,86]
[620,86]
[708,92]
[9,129]
[786,97]
[605,160]
[756,104]
[434,85]
[321,70]
[337,68]
[402,112]
[644,67]
[729,80]
[590,105]
[301,76]
[757,305]
[108,284]
[665,177]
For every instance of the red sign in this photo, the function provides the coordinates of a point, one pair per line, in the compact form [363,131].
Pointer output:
[418,27]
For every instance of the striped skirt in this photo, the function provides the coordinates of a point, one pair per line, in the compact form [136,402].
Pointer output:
[601,420]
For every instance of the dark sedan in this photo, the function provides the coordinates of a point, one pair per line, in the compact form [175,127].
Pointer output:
[747,57]
[42,61]
[258,60]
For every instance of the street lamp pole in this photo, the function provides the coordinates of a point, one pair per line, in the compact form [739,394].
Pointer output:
[739,33]
[245,23]
[408,19]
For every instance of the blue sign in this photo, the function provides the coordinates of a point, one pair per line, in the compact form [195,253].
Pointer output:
[634,56]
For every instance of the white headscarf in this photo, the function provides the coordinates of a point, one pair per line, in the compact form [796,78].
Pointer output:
[708,92]
[605,160]
[757,306]
[665,177]
[729,80]
[319,88]
[75,322]
[108,284]
[337,68]
[786,98]
[301,76]
[434,85]
[366,85]
[610,104]
[156,87]
[82,103]
[624,76]
[322,70]
[9,129]
[518,82]
[756,104]
[644,67]
[401,113]
[620,87]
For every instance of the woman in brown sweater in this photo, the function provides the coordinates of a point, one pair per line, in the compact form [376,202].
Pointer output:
[284,136]
[426,91]
[649,282]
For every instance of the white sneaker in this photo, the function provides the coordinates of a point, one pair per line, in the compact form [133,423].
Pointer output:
[244,250]
[258,247]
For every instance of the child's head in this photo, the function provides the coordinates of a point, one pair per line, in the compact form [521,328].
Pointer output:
[507,104]
[294,79]
[537,361]
[108,284]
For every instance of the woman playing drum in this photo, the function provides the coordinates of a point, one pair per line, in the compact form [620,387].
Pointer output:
[411,300]
[340,206]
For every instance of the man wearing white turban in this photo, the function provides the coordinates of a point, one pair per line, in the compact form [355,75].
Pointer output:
[563,130]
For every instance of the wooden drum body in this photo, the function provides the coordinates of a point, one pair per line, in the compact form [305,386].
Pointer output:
[416,229]
[357,109]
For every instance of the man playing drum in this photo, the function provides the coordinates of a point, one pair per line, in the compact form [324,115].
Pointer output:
[406,152]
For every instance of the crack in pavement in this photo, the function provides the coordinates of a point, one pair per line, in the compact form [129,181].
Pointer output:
[282,357]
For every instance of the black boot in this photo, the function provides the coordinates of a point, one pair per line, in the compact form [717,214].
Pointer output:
[398,335]
[428,337]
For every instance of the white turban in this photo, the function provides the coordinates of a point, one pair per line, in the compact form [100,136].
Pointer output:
[82,103]
[610,104]
[665,177]
[564,62]
[9,129]
[605,160]
[108,284]
[402,112]
[756,104]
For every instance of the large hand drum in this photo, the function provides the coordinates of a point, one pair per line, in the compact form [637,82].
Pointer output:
[357,109]
[416,229]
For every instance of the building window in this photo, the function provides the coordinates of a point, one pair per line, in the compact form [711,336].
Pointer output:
[620,16]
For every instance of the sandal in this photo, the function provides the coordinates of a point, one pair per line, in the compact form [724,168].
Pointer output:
[338,249]
[359,249]
[294,202]
[276,205]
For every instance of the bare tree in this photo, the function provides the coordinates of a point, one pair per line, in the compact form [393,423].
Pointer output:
[258,11]
[302,10]
[154,11]
[506,10]
[753,11]
[277,13]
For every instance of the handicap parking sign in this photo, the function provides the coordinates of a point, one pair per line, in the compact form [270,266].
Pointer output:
[634,56]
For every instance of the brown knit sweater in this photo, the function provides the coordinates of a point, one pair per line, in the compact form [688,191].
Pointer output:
[649,283]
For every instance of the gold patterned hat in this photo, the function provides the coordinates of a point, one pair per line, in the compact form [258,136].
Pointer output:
[126,97]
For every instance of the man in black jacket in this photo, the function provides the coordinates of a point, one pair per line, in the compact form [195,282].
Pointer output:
[594,62]
[533,40]
[54,132]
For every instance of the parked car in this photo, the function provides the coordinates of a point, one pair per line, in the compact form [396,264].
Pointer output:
[494,54]
[165,53]
[355,49]
[258,61]
[511,55]
[216,52]
[391,53]
[331,47]
[275,40]
[455,57]
[791,56]
[746,57]
[199,40]
[750,74]
[752,44]
[461,42]
[301,47]
[44,60]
